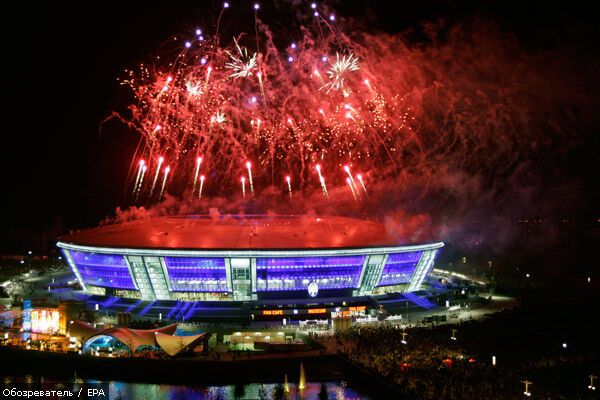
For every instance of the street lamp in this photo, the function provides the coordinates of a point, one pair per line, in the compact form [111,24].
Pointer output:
[527,392]
[453,337]
[403,341]
[591,385]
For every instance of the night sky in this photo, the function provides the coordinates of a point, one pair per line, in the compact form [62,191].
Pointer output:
[61,63]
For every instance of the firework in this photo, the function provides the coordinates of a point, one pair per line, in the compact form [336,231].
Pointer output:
[160,161]
[249,167]
[322,181]
[243,179]
[340,69]
[351,186]
[242,64]
[164,182]
[347,169]
[206,101]
[201,186]
[289,184]
[139,186]
[198,163]
[139,174]
[362,183]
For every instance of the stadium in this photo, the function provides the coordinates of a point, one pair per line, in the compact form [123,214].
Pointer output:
[190,263]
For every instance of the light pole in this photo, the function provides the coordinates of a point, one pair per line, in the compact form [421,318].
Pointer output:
[527,392]
[591,385]
[453,337]
[403,341]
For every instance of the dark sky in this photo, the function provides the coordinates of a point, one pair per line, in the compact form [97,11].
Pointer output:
[61,65]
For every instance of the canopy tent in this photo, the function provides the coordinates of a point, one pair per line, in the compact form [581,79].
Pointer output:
[163,337]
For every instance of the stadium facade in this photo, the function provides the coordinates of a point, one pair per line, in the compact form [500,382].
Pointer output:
[245,258]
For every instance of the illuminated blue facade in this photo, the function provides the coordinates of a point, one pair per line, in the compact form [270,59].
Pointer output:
[103,270]
[399,268]
[152,274]
[197,274]
[277,274]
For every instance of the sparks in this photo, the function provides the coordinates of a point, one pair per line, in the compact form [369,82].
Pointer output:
[162,189]
[289,184]
[218,118]
[193,89]
[201,186]
[139,187]
[160,161]
[340,69]
[349,182]
[198,163]
[243,64]
[249,167]
[362,183]
[139,174]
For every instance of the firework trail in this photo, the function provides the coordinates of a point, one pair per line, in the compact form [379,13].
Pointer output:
[322,181]
[289,184]
[164,182]
[335,96]
[198,163]
[137,178]
[160,161]
[347,169]
[249,167]
[243,187]
[362,183]
[349,182]
[141,180]
[201,186]
[234,100]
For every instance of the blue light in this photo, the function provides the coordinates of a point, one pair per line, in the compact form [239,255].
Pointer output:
[105,270]
[399,268]
[280,274]
[194,274]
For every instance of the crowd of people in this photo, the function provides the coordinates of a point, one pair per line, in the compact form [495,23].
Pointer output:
[446,361]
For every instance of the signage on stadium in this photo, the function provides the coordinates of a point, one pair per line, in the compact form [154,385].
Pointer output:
[272,312]
[357,308]
[317,310]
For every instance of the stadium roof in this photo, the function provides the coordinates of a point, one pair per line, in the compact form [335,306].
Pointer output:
[236,233]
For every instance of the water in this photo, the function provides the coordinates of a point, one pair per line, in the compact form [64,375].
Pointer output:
[336,390]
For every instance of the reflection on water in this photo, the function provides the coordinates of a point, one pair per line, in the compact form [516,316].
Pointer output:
[313,390]
[150,391]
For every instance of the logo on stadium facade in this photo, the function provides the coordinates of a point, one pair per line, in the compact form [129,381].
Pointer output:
[313,289]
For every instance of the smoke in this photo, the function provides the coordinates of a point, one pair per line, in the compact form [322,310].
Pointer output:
[489,129]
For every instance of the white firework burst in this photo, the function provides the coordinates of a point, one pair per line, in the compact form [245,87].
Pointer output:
[193,89]
[242,64]
[218,118]
[340,69]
